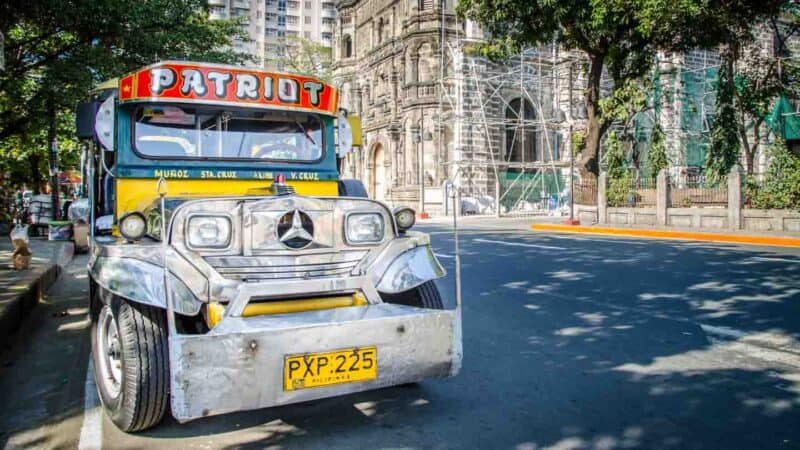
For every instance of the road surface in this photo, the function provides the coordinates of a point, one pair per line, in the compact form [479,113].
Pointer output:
[569,342]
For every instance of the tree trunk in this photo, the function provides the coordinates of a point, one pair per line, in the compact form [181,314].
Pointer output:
[36,176]
[588,165]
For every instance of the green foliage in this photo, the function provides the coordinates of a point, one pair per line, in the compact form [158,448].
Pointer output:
[780,188]
[625,101]
[619,177]
[578,142]
[723,151]
[57,50]
[615,156]
[304,57]
[657,155]
[621,35]
[619,192]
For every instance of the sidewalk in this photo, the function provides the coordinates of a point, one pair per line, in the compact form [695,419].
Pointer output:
[21,290]
[730,236]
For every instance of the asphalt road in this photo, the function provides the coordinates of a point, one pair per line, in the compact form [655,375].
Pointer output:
[569,342]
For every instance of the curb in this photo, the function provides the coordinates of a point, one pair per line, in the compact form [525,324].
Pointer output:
[665,234]
[24,302]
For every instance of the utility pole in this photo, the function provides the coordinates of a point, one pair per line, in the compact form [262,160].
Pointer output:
[53,158]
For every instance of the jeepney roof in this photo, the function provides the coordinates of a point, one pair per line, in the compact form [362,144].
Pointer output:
[105,85]
[217,84]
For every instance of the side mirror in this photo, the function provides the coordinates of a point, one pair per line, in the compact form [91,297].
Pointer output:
[349,131]
[104,124]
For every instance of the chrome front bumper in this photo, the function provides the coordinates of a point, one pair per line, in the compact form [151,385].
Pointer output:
[239,364]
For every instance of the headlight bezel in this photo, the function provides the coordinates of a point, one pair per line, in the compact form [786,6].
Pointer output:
[396,214]
[205,215]
[355,214]
[128,216]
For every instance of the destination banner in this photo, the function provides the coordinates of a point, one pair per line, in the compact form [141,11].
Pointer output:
[215,84]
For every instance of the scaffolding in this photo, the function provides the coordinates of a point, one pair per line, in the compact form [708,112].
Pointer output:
[483,102]
[511,123]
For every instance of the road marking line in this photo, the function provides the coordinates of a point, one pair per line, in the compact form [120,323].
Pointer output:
[671,234]
[442,255]
[518,244]
[92,428]
[763,258]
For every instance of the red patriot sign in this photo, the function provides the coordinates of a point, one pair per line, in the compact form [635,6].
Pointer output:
[194,82]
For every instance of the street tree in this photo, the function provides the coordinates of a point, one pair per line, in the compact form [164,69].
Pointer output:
[56,50]
[305,57]
[618,36]
[761,76]
[723,150]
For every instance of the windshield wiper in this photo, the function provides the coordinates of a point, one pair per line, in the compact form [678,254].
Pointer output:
[303,130]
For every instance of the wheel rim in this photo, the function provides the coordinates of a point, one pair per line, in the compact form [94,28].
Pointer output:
[109,352]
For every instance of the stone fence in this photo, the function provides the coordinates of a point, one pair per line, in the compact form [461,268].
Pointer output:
[734,216]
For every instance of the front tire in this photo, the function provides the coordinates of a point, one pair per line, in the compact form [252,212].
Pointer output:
[129,347]
[425,295]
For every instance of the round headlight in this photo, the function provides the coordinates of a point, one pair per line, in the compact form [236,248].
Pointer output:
[405,217]
[132,226]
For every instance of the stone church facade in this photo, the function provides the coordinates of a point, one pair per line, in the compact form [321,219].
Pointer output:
[390,67]
[387,67]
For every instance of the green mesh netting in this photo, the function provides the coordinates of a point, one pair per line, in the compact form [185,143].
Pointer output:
[694,91]
[538,187]
[783,120]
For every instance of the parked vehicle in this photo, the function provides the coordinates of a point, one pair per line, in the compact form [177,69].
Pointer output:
[239,271]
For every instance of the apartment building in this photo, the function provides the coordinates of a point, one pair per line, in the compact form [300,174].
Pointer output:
[270,22]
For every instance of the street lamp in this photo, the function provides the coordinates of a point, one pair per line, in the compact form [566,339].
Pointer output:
[418,136]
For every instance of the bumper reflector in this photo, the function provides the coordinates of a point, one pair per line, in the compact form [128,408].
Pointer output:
[216,310]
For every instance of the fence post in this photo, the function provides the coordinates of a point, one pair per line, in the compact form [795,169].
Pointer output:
[601,198]
[662,197]
[735,198]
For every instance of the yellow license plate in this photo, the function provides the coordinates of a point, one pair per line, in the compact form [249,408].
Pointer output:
[323,369]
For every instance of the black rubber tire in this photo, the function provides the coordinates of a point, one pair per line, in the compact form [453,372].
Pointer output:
[144,388]
[425,295]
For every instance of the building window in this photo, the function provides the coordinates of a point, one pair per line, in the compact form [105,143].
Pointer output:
[307,34]
[281,5]
[520,134]
[292,20]
[347,46]
[281,21]
[425,4]
[308,20]
[308,5]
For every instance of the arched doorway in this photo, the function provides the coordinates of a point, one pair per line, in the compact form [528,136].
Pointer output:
[378,185]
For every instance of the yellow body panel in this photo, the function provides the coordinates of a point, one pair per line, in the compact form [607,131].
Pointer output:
[135,194]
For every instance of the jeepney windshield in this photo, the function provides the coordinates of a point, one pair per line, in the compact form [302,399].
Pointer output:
[179,132]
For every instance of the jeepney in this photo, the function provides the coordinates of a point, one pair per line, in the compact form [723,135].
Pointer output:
[230,266]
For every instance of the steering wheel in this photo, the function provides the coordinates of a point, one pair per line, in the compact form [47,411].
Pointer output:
[265,151]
